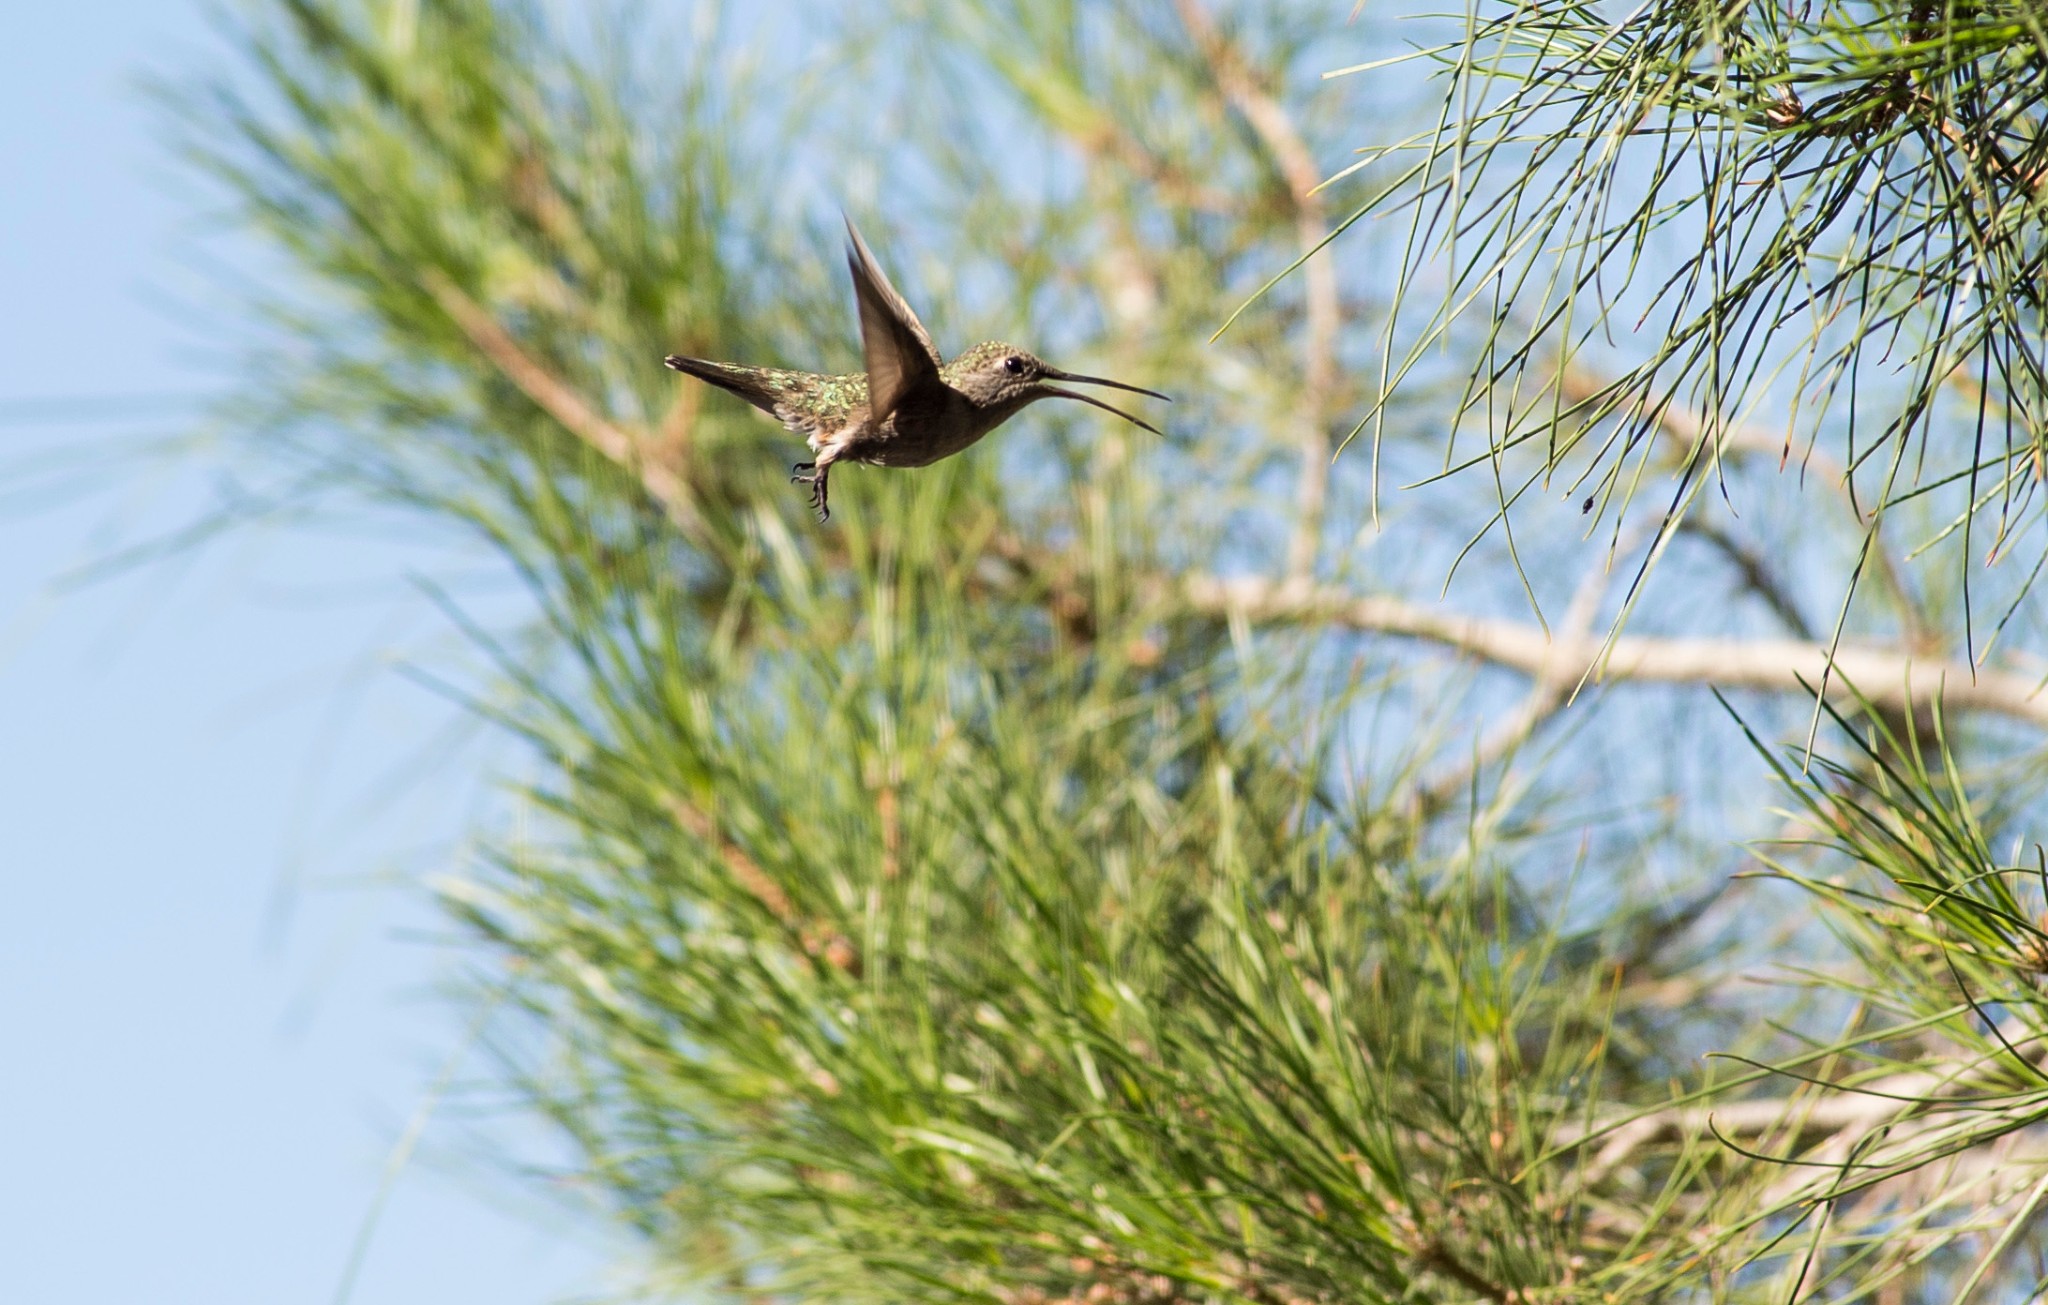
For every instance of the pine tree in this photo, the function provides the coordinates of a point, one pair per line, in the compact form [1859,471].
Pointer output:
[1566,844]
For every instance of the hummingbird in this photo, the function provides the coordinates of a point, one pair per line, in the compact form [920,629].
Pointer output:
[909,408]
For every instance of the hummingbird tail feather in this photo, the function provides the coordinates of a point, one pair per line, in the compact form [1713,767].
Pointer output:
[747,382]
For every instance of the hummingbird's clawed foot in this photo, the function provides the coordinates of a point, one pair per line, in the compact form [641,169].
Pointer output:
[816,480]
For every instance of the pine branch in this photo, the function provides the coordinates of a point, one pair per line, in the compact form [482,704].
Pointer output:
[560,400]
[1885,677]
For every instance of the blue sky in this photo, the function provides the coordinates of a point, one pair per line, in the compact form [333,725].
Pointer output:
[218,988]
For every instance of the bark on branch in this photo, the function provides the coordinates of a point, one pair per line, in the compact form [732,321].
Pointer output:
[1909,1135]
[1887,678]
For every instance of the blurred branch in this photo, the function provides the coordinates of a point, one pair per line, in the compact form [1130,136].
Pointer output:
[1578,386]
[1276,129]
[1755,570]
[1553,688]
[1896,1122]
[1105,137]
[560,400]
[1693,439]
[1439,1258]
[678,424]
[817,939]
[1857,1110]
[1888,679]
[1892,1129]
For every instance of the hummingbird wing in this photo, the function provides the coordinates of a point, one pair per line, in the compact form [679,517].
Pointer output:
[899,352]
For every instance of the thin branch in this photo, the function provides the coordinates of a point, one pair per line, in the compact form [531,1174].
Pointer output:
[1439,1258]
[1755,571]
[1553,687]
[817,939]
[1843,1111]
[558,399]
[672,437]
[1887,678]
[1283,140]
[1851,1110]
[1102,136]
[1687,432]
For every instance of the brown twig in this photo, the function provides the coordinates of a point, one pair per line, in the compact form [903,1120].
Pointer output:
[817,940]
[1440,1259]
[678,425]
[559,399]
[1757,575]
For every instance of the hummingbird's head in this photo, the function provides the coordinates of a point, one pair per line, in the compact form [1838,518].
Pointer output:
[1003,378]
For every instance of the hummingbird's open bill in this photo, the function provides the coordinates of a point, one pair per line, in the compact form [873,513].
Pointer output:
[909,409]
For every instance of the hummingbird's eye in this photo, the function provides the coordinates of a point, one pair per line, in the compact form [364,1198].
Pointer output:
[1013,365]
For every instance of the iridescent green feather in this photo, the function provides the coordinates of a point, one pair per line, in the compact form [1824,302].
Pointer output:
[802,401]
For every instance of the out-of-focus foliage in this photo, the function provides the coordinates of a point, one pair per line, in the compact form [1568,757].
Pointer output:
[1826,218]
[958,901]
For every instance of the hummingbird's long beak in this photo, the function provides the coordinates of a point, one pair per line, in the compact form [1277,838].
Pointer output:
[1054,373]
[1089,398]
